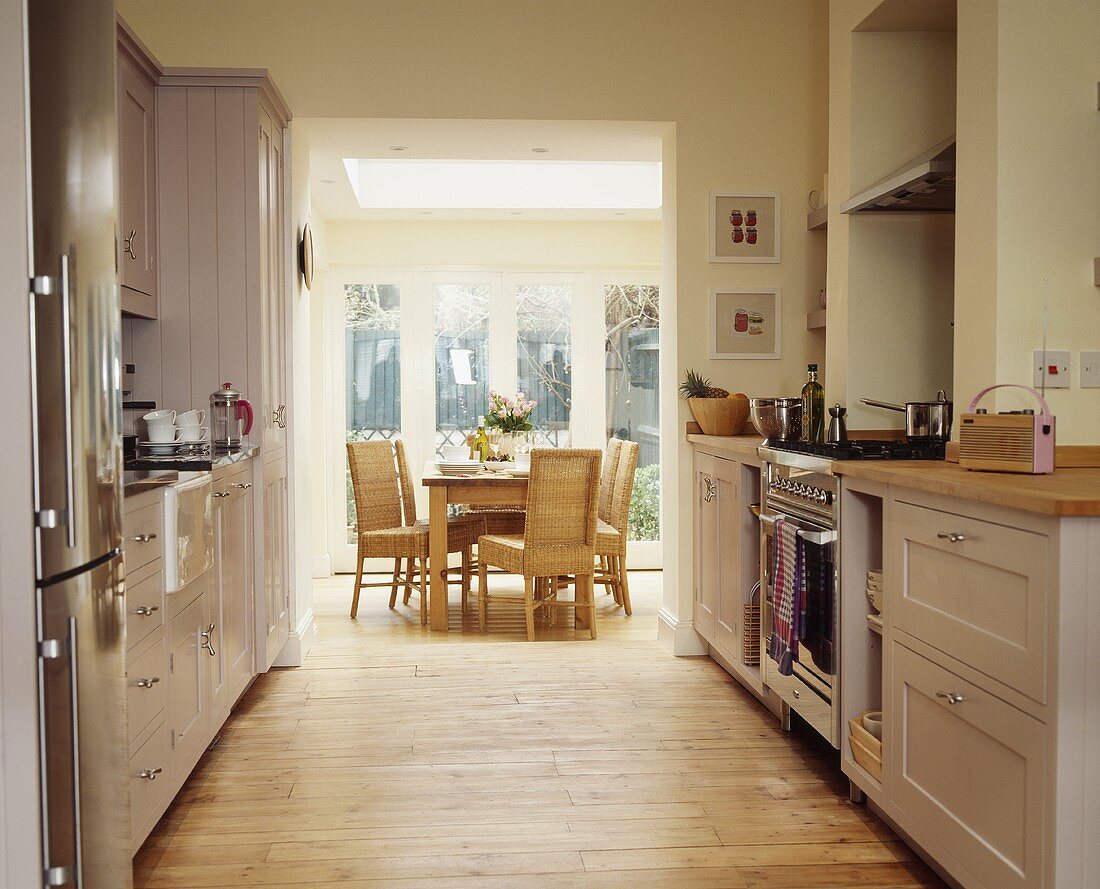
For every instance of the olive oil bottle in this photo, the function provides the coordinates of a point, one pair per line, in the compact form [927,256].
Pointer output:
[813,408]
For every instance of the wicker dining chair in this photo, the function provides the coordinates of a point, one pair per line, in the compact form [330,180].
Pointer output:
[386,526]
[559,539]
[611,533]
[607,486]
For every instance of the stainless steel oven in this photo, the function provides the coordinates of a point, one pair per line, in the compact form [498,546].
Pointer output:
[803,491]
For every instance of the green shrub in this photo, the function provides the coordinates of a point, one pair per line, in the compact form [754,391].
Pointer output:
[644,521]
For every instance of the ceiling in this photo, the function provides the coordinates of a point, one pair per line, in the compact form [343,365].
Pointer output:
[331,140]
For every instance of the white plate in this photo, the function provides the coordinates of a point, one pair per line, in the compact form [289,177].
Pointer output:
[519,473]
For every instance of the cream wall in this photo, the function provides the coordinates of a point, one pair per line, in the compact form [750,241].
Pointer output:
[1040,127]
[565,246]
[890,278]
[651,60]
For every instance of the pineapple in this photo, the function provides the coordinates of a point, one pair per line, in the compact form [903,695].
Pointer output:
[697,386]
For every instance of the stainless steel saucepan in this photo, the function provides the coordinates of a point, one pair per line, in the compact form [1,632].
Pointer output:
[924,420]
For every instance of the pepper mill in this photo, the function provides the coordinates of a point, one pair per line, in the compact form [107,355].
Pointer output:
[838,429]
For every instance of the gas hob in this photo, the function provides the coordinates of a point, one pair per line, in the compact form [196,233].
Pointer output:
[864,449]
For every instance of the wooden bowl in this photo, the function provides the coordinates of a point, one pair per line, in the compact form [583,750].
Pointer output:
[720,416]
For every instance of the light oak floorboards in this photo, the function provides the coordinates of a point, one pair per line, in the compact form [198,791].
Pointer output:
[401,759]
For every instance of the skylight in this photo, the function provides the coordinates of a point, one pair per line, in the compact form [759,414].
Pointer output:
[503,185]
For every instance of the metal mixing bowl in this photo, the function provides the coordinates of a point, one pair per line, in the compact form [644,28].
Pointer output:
[777,419]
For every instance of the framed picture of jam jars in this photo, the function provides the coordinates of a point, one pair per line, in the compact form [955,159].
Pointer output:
[744,226]
[746,323]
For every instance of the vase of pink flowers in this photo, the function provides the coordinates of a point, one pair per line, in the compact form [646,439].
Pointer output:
[510,418]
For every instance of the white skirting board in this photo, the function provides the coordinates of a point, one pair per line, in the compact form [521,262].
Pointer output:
[679,636]
[299,643]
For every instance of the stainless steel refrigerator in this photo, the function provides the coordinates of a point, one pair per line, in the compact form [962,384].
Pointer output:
[78,465]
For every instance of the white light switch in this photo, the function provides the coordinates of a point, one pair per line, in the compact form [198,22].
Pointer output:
[1055,368]
[1090,370]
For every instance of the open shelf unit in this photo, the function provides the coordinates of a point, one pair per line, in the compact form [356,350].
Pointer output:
[861,641]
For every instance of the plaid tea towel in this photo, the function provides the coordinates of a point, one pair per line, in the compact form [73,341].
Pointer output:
[783,644]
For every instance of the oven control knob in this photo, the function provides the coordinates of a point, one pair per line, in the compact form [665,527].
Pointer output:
[822,496]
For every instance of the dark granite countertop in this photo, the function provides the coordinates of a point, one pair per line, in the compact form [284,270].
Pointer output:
[138,481]
[204,463]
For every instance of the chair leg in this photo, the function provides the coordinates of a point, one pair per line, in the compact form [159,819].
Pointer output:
[465,577]
[605,572]
[408,582]
[396,575]
[587,585]
[358,584]
[529,606]
[424,592]
[482,595]
[624,582]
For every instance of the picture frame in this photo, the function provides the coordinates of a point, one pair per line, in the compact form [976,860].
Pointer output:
[745,226]
[746,323]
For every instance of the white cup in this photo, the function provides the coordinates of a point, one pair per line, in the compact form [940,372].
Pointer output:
[164,434]
[192,433]
[455,452]
[191,418]
[160,418]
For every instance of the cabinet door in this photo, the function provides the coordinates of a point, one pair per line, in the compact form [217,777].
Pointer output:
[137,239]
[707,545]
[233,560]
[188,695]
[968,773]
[273,256]
[276,559]
[730,614]
[215,662]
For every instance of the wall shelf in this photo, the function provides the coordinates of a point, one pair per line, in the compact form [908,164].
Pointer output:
[815,320]
[818,220]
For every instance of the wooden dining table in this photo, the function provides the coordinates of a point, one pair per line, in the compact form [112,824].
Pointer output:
[484,488]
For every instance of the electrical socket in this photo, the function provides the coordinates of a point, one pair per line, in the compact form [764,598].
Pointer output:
[1090,370]
[1055,368]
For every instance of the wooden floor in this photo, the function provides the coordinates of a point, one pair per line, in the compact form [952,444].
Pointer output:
[395,758]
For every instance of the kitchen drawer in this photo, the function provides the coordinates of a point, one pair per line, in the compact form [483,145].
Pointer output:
[148,787]
[145,702]
[803,700]
[144,603]
[973,589]
[968,777]
[143,535]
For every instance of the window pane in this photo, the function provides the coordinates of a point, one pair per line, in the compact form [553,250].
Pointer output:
[632,359]
[544,371]
[461,360]
[372,358]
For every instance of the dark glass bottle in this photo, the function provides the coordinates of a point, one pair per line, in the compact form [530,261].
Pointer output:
[813,408]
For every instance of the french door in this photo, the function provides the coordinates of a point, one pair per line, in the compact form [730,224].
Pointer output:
[413,354]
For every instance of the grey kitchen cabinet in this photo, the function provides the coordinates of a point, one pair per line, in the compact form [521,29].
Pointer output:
[276,557]
[137,153]
[232,609]
[189,700]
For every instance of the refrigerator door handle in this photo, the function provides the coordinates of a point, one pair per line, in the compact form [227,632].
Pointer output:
[67,360]
[50,649]
[43,285]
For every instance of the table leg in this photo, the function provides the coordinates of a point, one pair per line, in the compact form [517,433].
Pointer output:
[437,551]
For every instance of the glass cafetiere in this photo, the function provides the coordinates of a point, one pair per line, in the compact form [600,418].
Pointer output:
[231,418]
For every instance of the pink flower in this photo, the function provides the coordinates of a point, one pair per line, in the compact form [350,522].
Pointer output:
[519,396]
[517,412]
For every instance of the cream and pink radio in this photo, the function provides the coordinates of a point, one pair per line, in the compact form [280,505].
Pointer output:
[1016,441]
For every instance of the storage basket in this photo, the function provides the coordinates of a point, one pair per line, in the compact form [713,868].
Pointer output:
[750,629]
[866,748]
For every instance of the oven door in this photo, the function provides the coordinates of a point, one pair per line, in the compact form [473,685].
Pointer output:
[811,688]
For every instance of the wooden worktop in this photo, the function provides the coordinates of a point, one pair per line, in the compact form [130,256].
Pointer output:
[741,445]
[1065,492]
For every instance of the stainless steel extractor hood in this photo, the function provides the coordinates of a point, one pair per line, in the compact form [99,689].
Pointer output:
[924,185]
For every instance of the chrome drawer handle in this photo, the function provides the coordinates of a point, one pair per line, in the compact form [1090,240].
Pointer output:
[712,490]
[951,697]
[146,610]
[143,538]
[205,640]
[220,494]
[147,683]
[150,774]
[951,536]
[244,486]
